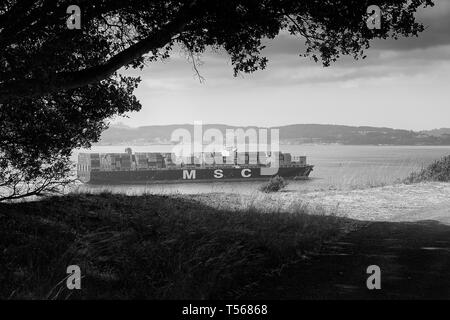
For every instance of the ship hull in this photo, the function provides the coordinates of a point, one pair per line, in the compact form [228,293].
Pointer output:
[192,175]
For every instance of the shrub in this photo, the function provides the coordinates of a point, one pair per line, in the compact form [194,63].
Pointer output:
[437,171]
[275,184]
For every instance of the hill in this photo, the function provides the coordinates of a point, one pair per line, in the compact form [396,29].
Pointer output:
[438,132]
[290,134]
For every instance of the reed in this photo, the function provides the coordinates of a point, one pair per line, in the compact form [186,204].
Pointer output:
[437,171]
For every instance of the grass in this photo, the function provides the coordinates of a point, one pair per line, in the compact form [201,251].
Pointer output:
[151,247]
[437,171]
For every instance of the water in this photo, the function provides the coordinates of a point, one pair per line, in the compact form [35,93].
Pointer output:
[336,167]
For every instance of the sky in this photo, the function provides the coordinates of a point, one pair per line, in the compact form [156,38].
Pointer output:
[402,84]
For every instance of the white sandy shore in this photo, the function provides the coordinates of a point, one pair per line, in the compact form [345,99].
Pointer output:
[422,201]
[400,202]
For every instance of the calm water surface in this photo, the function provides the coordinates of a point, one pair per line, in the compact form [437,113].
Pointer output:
[336,167]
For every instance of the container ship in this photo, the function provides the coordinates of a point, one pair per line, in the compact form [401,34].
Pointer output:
[151,167]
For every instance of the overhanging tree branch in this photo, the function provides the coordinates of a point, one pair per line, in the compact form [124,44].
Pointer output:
[70,80]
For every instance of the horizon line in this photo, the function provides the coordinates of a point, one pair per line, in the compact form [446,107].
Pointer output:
[118,124]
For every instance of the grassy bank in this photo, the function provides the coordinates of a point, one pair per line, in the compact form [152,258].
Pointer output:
[151,247]
[437,171]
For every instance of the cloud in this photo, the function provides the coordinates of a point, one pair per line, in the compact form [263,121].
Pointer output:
[388,61]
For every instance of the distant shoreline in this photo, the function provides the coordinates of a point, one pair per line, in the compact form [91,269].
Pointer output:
[298,134]
[281,143]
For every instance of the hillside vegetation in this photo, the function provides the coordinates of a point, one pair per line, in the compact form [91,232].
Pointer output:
[437,171]
[291,134]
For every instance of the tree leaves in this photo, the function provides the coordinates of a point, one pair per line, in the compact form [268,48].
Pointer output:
[59,86]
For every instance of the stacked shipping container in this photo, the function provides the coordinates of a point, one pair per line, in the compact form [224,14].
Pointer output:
[152,160]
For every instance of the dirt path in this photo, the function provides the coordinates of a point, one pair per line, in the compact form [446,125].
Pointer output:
[414,259]
[411,246]
[407,235]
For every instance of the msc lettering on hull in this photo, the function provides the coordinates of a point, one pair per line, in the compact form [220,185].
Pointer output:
[246,173]
[189,174]
[216,174]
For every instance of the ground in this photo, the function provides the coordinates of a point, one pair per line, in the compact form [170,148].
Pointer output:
[414,259]
[398,202]
[407,234]
[286,245]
